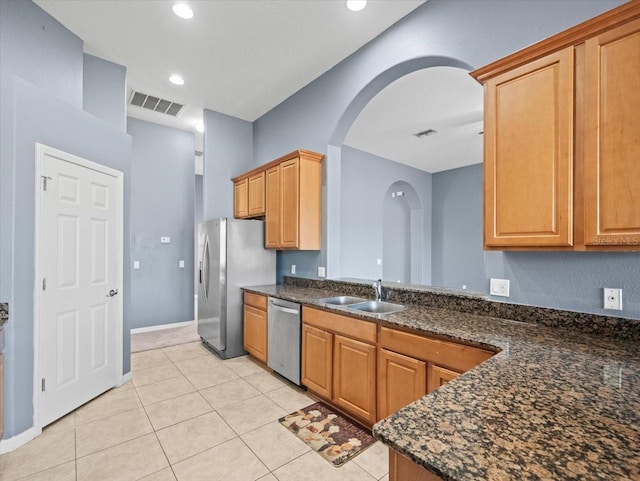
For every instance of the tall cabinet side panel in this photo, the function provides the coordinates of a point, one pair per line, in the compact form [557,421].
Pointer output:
[248,264]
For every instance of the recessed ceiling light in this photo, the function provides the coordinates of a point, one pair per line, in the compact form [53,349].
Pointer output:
[356,5]
[182,10]
[200,127]
[176,80]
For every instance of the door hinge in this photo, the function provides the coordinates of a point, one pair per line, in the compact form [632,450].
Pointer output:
[43,383]
[44,284]
[44,182]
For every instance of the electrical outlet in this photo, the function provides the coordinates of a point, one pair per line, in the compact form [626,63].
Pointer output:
[181,264]
[613,299]
[136,264]
[293,268]
[165,240]
[499,287]
[321,271]
[379,262]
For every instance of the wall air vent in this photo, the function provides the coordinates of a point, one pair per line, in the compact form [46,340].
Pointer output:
[425,133]
[156,104]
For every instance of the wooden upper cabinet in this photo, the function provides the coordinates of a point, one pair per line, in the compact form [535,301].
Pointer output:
[241,198]
[561,162]
[612,148]
[272,219]
[289,203]
[294,195]
[249,196]
[256,196]
[528,158]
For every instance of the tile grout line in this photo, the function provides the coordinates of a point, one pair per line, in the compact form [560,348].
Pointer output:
[156,436]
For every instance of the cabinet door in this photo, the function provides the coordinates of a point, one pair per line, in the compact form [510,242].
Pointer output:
[255,332]
[241,198]
[272,209]
[354,377]
[317,360]
[439,376]
[403,469]
[290,205]
[612,150]
[401,380]
[256,195]
[528,141]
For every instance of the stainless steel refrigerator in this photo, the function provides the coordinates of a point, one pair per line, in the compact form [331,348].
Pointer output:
[231,255]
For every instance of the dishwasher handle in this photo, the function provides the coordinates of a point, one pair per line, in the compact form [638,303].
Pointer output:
[288,310]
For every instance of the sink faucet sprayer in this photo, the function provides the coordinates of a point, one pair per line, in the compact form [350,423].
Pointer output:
[378,288]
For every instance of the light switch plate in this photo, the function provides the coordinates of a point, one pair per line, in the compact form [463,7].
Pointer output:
[293,268]
[136,264]
[165,240]
[181,264]
[499,287]
[321,271]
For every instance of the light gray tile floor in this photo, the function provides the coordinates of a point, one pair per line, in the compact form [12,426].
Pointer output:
[186,416]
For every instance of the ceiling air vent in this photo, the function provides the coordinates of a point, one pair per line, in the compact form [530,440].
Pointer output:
[425,133]
[156,104]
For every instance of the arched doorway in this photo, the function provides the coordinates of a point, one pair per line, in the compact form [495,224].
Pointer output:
[402,227]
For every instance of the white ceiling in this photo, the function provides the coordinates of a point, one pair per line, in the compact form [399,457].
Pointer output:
[241,58]
[244,57]
[444,99]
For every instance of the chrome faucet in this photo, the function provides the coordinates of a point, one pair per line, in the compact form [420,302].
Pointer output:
[378,288]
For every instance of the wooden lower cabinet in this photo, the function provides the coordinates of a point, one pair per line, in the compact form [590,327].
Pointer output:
[255,325]
[317,361]
[401,380]
[354,377]
[439,376]
[403,469]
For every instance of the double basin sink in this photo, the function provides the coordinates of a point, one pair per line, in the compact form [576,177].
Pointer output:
[363,305]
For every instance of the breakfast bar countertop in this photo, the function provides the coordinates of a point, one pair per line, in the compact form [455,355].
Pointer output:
[553,403]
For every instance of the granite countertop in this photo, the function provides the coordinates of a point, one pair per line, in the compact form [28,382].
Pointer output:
[552,404]
[4,313]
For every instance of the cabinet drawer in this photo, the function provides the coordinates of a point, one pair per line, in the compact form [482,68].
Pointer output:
[258,301]
[447,354]
[349,326]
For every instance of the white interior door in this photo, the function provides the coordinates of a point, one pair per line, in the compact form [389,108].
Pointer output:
[79,253]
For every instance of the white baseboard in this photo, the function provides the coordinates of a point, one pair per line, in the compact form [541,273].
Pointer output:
[13,443]
[125,378]
[161,327]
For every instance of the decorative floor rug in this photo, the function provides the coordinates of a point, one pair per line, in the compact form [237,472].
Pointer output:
[331,435]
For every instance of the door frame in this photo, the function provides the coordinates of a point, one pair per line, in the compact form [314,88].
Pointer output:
[40,151]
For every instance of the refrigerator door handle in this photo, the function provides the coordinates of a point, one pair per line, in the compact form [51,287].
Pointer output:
[205,268]
[200,270]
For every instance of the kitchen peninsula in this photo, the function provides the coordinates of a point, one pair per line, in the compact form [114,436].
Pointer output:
[559,400]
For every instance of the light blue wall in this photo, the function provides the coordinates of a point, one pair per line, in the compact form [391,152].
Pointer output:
[44,46]
[455,33]
[365,180]
[35,116]
[104,90]
[41,101]
[162,205]
[457,255]
[228,151]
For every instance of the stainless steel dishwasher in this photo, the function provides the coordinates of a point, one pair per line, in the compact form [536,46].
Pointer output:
[284,331]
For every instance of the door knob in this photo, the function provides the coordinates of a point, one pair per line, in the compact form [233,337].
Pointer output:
[112,292]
